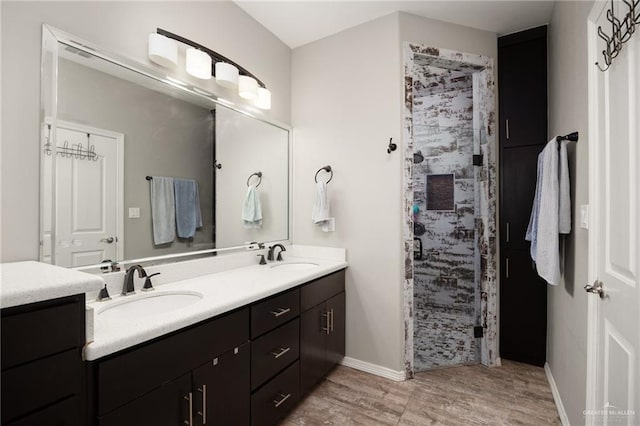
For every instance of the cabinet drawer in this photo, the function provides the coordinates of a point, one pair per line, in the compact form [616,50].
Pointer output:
[137,371]
[276,398]
[64,413]
[273,312]
[34,385]
[33,331]
[321,289]
[274,351]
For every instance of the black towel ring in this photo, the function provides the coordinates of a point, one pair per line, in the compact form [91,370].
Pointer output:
[259,174]
[326,169]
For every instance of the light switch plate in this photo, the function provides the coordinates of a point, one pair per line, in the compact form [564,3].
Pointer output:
[134,212]
[584,216]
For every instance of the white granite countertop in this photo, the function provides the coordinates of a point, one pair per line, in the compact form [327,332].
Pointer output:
[222,292]
[31,281]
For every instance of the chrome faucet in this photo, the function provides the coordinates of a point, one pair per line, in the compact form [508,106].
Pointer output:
[128,287]
[272,252]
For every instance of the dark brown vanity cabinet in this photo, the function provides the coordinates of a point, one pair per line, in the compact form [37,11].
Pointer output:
[322,328]
[197,376]
[42,367]
[241,368]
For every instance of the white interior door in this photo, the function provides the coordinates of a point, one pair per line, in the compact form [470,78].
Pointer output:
[87,198]
[613,394]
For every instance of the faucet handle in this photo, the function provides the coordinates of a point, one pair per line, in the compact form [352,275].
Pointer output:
[279,258]
[103,296]
[148,285]
[262,261]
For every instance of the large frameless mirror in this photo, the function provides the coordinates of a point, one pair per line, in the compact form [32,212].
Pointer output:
[136,165]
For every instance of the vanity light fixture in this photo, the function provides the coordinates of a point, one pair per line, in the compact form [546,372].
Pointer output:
[162,50]
[247,87]
[202,63]
[198,64]
[227,75]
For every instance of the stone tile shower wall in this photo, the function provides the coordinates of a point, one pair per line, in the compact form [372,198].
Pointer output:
[445,270]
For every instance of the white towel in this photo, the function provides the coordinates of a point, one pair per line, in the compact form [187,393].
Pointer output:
[551,211]
[163,210]
[252,209]
[321,214]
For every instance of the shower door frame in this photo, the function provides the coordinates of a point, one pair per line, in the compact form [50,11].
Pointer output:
[482,68]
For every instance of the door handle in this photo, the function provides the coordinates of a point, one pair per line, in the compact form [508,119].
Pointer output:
[331,320]
[203,413]
[281,352]
[597,287]
[280,312]
[283,399]
[107,240]
[326,329]
[190,399]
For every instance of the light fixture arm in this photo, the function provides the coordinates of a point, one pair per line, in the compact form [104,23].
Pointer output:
[215,56]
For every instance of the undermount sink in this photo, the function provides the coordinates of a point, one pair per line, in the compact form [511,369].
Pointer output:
[149,304]
[295,266]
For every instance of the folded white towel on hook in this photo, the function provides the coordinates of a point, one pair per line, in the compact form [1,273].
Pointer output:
[252,209]
[321,214]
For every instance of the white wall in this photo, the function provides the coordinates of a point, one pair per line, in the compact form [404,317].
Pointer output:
[346,104]
[567,303]
[121,27]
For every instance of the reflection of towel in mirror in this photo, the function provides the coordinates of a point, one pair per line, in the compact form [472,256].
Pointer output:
[188,215]
[251,209]
[321,215]
[163,210]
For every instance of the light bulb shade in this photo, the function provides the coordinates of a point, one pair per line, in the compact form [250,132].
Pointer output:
[247,87]
[162,50]
[198,64]
[264,98]
[226,75]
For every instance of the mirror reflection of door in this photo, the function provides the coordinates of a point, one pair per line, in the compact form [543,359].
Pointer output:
[88,195]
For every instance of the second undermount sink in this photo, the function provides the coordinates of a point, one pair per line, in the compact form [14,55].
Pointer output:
[295,266]
[149,304]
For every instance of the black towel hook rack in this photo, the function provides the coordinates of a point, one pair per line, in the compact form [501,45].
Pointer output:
[326,169]
[571,137]
[259,174]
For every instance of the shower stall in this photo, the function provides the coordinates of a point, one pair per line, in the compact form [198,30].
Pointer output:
[450,201]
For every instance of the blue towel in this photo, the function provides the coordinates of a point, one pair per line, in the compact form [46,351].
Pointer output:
[188,215]
[163,210]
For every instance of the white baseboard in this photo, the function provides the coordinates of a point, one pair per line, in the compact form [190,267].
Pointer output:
[378,370]
[556,396]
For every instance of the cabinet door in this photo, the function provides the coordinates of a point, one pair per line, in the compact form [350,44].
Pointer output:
[222,394]
[168,405]
[523,310]
[313,350]
[335,338]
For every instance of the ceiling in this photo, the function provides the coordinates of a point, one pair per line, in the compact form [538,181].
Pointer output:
[300,22]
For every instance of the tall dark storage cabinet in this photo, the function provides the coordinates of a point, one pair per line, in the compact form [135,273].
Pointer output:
[522,84]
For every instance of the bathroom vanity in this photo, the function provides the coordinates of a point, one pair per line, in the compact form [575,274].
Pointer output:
[43,334]
[247,366]
[255,341]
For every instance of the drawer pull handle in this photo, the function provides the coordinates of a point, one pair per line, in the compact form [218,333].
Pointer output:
[190,399]
[284,398]
[203,413]
[327,329]
[331,320]
[283,351]
[280,312]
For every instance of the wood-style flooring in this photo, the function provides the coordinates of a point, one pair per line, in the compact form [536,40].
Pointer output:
[514,394]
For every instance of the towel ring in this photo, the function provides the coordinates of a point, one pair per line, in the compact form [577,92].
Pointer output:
[259,174]
[326,169]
